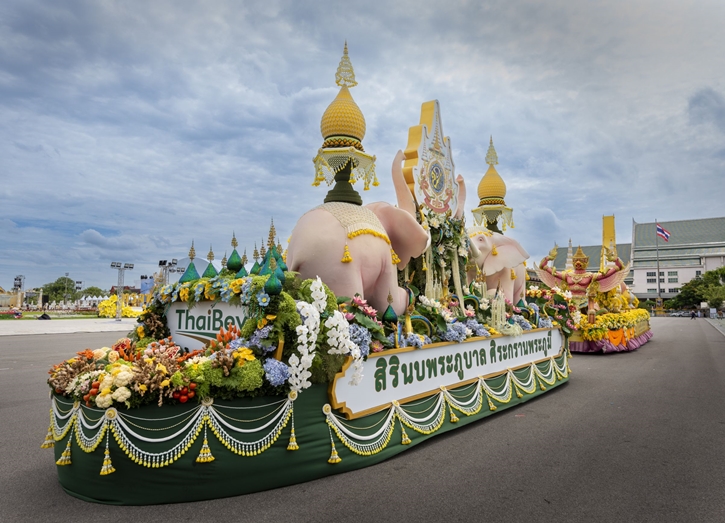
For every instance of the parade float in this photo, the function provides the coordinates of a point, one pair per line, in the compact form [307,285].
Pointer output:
[611,321]
[378,328]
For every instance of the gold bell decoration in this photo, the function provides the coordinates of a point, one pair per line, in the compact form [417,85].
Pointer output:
[65,457]
[49,442]
[346,258]
[454,418]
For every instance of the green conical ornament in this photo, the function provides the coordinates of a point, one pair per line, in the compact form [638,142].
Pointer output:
[242,273]
[190,274]
[210,271]
[234,263]
[521,304]
[273,286]
[389,315]
[255,268]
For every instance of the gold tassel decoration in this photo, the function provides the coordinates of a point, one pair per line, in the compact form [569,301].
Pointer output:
[205,455]
[491,406]
[494,251]
[346,258]
[454,418]
[65,457]
[395,258]
[375,179]
[107,467]
[334,458]
[49,442]
[541,384]
[406,439]
[513,274]
[293,441]
[425,267]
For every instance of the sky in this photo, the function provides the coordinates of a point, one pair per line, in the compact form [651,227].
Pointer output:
[129,129]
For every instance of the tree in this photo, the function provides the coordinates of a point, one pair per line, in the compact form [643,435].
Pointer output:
[715,295]
[94,291]
[690,296]
[61,289]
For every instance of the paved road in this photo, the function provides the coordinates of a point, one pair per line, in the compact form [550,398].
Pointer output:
[65,326]
[632,437]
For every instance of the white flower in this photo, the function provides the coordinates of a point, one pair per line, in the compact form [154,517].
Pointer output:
[462,252]
[104,401]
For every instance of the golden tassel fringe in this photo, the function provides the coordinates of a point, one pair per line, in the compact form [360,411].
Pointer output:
[395,258]
[334,458]
[494,251]
[107,467]
[65,457]
[49,442]
[293,442]
[346,258]
[205,455]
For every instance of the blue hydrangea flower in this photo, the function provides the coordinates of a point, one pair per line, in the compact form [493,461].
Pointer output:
[238,343]
[258,336]
[276,372]
[545,322]
[477,328]
[361,337]
[415,340]
[521,321]
[455,332]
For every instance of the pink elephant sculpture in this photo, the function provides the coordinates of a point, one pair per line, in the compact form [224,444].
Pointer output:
[358,249]
[501,259]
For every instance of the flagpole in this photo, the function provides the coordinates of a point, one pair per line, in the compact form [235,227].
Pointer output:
[657,248]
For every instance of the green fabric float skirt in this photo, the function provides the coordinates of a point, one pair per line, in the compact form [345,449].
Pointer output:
[179,453]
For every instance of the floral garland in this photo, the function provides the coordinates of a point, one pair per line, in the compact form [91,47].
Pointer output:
[557,306]
[610,321]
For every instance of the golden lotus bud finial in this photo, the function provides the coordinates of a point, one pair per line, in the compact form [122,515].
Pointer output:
[255,255]
[235,243]
[192,252]
[224,260]
[345,75]
[262,250]
[491,156]
[210,256]
[272,235]
[279,246]
[390,298]
[244,257]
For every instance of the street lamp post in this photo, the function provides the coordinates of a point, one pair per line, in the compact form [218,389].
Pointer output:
[169,267]
[119,288]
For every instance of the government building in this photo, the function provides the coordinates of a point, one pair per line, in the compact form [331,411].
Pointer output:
[694,247]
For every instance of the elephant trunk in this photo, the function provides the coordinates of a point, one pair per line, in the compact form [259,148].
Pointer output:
[461,206]
[475,251]
[402,191]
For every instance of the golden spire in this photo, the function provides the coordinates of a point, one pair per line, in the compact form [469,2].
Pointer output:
[345,75]
[244,257]
[491,156]
[272,234]
[224,260]
[210,256]
[235,243]
[262,250]
[192,252]
[272,264]
[279,247]
[256,252]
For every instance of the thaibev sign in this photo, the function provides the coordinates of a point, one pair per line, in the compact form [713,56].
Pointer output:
[407,374]
[193,328]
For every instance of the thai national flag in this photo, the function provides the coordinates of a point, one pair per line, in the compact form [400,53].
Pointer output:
[663,233]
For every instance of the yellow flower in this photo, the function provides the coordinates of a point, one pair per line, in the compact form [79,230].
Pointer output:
[164,383]
[208,291]
[105,391]
[184,294]
[162,369]
[140,331]
[261,323]
[244,355]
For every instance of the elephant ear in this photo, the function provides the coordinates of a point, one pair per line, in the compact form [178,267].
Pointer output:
[509,253]
[407,237]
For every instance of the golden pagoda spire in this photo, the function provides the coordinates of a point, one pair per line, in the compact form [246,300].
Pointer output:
[279,247]
[255,255]
[210,256]
[345,75]
[262,250]
[491,156]
[272,234]
[244,257]
[224,260]
[192,251]
[235,243]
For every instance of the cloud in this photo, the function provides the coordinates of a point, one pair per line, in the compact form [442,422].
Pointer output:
[93,237]
[707,106]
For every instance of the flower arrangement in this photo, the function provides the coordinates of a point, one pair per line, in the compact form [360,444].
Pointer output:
[556,305]
[610,321]
[107,309]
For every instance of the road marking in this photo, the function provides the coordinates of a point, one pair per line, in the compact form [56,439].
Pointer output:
[6,368]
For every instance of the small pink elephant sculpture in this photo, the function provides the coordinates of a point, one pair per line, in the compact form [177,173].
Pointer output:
[501,259]
[358,249]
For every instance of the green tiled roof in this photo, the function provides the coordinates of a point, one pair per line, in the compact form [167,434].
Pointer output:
[593,251]
[683,232]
